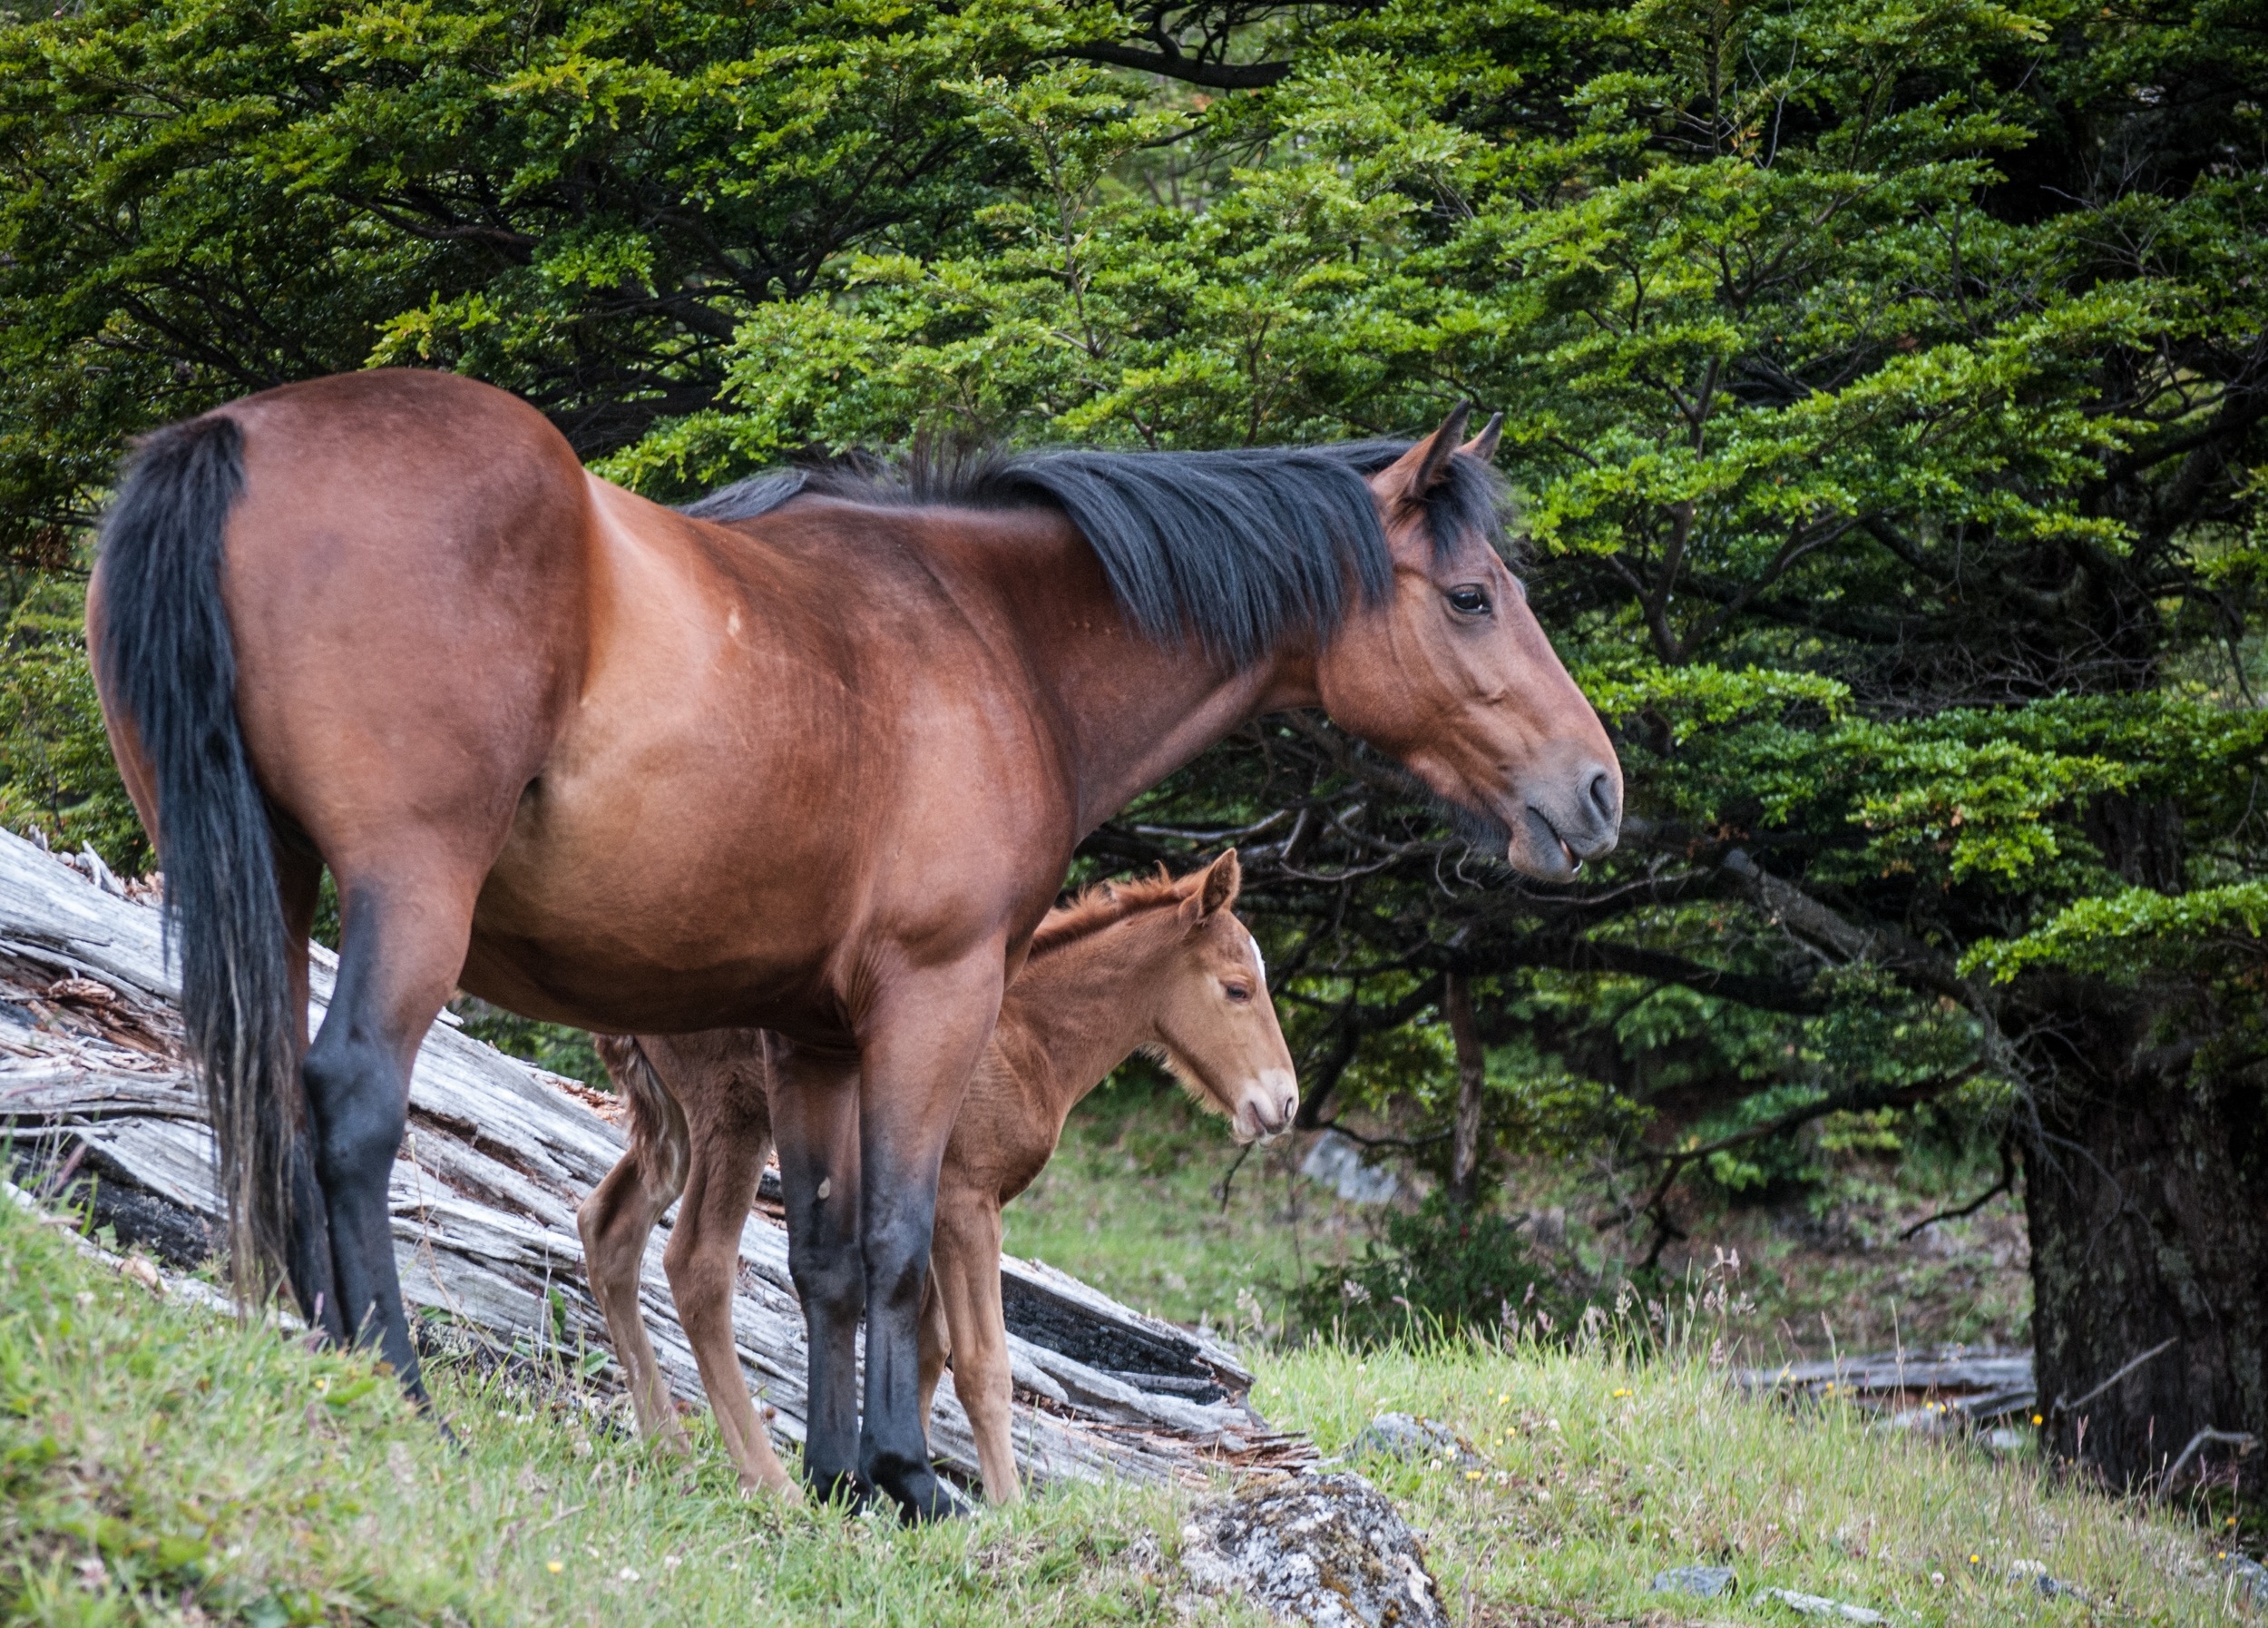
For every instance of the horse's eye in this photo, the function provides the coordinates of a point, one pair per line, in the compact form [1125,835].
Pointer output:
[1238,992]
[1468,600]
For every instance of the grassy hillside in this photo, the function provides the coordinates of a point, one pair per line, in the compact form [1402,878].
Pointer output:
[1148,1198]
[163,1466]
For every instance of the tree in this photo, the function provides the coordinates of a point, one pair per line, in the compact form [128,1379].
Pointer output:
[1881,389]
[1884,397]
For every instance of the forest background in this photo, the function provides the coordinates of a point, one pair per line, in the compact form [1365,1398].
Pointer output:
[1883,382]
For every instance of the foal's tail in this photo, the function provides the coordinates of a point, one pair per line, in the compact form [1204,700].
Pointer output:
[659,1139]
[168,668]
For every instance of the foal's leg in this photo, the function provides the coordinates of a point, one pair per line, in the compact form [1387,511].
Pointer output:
[923,1041]
[966,1265]
[731,1132]
[404,941]
[616,1222]
[814,1116]
[936,1343]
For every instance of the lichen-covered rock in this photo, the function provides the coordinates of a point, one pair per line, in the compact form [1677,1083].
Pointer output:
[1326,1550]
[1407,1435]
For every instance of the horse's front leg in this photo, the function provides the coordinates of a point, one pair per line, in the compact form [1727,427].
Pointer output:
[920,1045]
[815,1126]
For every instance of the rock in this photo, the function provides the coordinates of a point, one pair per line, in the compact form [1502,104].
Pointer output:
[2006,1440]
[1710,1582]
[1325,1550]
[2053,1588]
[1406,1436]
[2250,1579]
[1819,1605]
[1338,1162]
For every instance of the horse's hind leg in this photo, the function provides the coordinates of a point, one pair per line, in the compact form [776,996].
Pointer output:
[298,886]
[403,945]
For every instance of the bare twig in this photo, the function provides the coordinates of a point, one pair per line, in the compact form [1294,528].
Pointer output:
[1971,1208]
[2062,1406]
[2006,1182]
[2244,1441]
[1227,1181]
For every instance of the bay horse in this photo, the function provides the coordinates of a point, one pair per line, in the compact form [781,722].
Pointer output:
[1161,966]
[810,756]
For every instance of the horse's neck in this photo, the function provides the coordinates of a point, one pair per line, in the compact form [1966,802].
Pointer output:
[1128,711]
[1078,1011]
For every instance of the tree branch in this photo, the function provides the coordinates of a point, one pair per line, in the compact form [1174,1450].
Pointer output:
[1172,62]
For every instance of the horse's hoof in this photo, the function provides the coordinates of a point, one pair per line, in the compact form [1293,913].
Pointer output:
[845,1489]
[938,1501]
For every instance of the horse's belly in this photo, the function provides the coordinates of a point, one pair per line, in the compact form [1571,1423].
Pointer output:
[649,903]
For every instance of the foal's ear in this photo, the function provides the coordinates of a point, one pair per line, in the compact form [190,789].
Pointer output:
[1222,880]
[1409,477]
[1483,445]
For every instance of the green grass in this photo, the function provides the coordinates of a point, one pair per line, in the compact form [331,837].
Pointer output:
[1132,1203]
[164,1466]
[159,1465]
[1598,1474]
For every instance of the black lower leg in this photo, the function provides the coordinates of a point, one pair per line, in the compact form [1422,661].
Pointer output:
[313,1281]
[832,1284]
[893,1448]
[356,1100]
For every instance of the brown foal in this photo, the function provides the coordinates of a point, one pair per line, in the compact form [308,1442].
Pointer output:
[1161,965]
[805,757]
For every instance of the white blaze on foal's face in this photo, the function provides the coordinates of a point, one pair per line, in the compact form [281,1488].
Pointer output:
[1219,1028]
[1269,1096]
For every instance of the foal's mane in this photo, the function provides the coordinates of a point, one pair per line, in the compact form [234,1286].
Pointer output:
[1242,547]
[1103,905]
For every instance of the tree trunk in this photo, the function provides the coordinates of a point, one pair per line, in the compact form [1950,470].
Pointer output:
[2147,1177]
[1472,1068]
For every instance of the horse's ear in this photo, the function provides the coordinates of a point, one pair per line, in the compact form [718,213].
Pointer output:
[1409,477]
[1217,889]
[1483,445]
[1224,878]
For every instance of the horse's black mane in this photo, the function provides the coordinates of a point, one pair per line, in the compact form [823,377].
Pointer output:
[1241,547]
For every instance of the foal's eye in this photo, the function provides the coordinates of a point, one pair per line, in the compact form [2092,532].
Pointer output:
[1238,992]
[1469,600]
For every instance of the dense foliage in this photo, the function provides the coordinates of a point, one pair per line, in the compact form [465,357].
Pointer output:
[1883,384]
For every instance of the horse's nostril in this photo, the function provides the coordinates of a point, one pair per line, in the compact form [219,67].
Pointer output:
[1604,797]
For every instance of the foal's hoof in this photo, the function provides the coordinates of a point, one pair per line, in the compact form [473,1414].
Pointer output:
[787,1492]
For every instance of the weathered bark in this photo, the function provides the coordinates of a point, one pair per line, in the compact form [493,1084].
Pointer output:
[2146,1195]
[102,1110]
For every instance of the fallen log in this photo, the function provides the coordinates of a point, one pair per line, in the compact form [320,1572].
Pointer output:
[106,1115]
[1973,1387]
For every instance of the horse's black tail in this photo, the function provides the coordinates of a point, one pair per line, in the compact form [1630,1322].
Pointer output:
[167,669]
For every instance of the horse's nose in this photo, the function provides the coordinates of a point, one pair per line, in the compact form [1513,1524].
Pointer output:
[1278,1101]
[1604,795]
